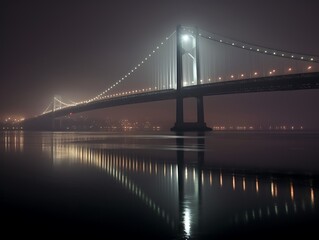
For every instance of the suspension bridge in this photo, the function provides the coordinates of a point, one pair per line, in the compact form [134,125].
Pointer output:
[193,63]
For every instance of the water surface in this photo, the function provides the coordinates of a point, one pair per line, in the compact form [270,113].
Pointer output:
[159,186]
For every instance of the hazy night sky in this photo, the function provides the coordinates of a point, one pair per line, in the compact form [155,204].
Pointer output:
[77,48]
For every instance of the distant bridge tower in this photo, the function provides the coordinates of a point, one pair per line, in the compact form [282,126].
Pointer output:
[188,73]
[57,103]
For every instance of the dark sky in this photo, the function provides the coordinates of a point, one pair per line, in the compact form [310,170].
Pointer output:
[76,48]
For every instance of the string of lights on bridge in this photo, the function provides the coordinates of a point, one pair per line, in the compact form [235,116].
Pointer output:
[129,73]
[103,95]
[237,76]
[257,49]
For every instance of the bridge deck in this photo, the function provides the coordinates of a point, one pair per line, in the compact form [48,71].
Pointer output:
[265,84]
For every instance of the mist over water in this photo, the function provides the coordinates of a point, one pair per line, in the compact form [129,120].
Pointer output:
[159,185]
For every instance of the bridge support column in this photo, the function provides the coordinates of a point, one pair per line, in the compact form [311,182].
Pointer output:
[191,48]
[181,126]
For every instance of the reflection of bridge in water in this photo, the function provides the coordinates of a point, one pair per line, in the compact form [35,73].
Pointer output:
[187,196]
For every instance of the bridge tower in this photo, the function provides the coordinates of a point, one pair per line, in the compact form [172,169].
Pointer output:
[57,105]
[188,74]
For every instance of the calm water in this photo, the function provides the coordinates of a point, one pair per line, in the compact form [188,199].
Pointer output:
[159,186]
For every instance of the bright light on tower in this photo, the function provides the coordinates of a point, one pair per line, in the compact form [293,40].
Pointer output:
[185,38]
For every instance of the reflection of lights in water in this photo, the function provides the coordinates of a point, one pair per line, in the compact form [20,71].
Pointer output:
[171,171]
[202,177]
[312,197]
[187,222]
[234,183]
[291,191]
[164,170]
[244,184]
[194,174]
[113,164]
[273,188]
[117,163]
[176,171]
[220,179]
[13,141]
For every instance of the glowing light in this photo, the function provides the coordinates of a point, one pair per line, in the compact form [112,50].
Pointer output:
[234,183]
[292,191]
[256,73]
[289,69]
[242,75]
[312,196]
[186,173]
[311,59]
[187,222]
[232,76]
[310,67]
[219,78]
[185,38]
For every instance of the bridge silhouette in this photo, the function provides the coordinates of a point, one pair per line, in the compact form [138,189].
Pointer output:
[192,63]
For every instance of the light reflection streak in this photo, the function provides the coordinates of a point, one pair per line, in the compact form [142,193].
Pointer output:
[187,222]
[292,191]
[13,141]
[312,197]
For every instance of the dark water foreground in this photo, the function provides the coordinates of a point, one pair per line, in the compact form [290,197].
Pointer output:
[162,186]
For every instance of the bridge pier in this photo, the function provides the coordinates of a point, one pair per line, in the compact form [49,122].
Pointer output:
[181,126]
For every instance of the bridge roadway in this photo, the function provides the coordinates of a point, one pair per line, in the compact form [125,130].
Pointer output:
[263,84]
